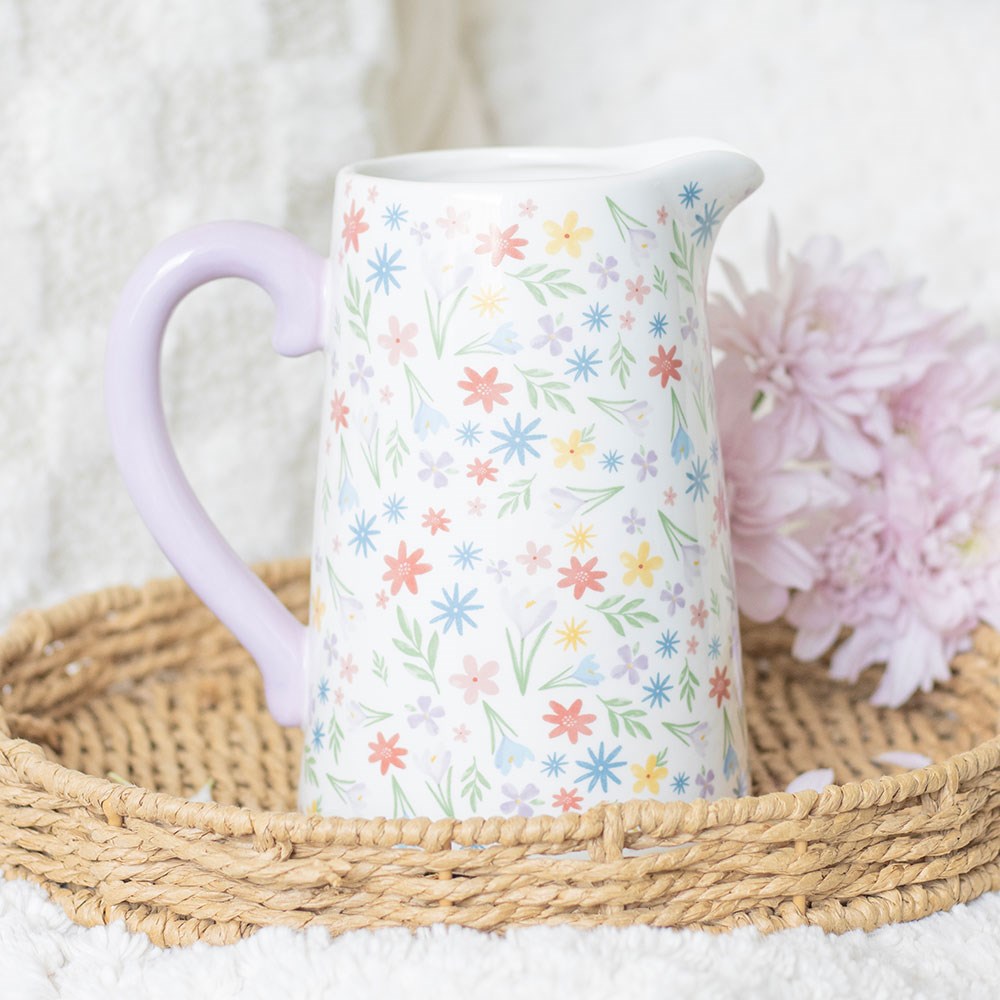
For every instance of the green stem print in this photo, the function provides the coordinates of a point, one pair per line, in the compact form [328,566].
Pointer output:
[369,451]
[699,402]
[660,281]
[688,682]
[379,668]
[683,258]
[674,535]
[564,679]
[359,309]
[677,418]
[439,327]
[327,497]
[336,740]
[681,730]
[401,805]
[442,795]
[519,493]
[412,645]
[598,496]
[340,786]
[371,716]
[713,603]
[473,783]
[551,390]
[337,586]
[622,360]
[620,716]
[520,662]
[622,219]
[661,758]
[551,282]
[396,450]
[615,613]
[309,767]
[622,411]
[497,725]
[418,394]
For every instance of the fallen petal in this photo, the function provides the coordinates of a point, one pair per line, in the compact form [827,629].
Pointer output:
[816,780]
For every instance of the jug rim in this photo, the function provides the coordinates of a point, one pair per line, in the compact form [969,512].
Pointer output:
[490,167]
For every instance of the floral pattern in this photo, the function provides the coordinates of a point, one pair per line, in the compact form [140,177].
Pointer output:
[522,584]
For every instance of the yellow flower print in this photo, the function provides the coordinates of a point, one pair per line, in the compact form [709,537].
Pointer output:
[571,635]
[580,538]
[568,236]
[574,451]
[318,609]
[640,566]
[648,777]
[488,302]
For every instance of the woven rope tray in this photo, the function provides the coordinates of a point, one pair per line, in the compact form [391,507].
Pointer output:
[146,685]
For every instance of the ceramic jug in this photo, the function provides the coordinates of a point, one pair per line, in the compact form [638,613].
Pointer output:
[522,591]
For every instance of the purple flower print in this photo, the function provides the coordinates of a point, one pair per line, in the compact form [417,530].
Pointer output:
[642,242]
[690,328]
[437,467]
[425,714]
[604,268]
[518,800]
[330,646]
[693,556]
[551,336]
[637,416]
[699,739]
[361,372]
[674,598]
[705,784]
[499,570]
[646,460]
[633,522]
[421,232]
[630,664]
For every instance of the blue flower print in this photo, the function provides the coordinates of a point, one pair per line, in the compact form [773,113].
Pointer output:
[348,495]
[362,531]
[596,317]
[394,215]
[427,420]
[465,556]
[600,768]
[554,765]
[323,691]
[715,649]
[583,365]
[394,509]
[469,433]
[707,222]
[317,736]
[588,671]
[612,461]
[666,645]
[510,754]
[384,268]
[456,610]
[680,783]
[681,447]
[698,477]
[658,325]
[658,690]
[505,340]
[517,440]
[730,763]
[690,194]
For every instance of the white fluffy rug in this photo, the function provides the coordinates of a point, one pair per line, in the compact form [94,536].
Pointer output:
[44,956]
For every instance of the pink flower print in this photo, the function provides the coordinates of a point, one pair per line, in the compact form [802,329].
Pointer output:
[372,194]
[662,215]
[582,576]
[567,800]
[627,320]
[477,679]
[426,714]
[669,497]
[637,291]
[348,668]
[534,558]
[528,208]
[721,514]
[338,696]
[665,365]
[385,753]
[719,686]
[699,614]
[339,410]
[501,244]
[399,341]
[482,471]
[462,733]
[693,645]
[454,223]
[354,226]
[382,599]
[385,394]
[404,569]
[484,389]
[476,507]
[551,336]
[435,520]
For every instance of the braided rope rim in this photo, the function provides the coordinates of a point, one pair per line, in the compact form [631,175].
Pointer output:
[859,854]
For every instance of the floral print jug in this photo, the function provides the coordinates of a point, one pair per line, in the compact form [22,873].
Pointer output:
[522,589]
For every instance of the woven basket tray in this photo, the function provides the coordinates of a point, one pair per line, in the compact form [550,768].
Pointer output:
[147,685]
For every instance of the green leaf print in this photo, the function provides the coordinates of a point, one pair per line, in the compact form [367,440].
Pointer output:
[369,452]
[674,535]
[551,282]
[412,646]
[521,662]
[661,758]
[676,413]
[379,668]
[359,309]
[336,740]
[660,281]
[337,586]
[309,767]
[439,327]
[688,683]
[442,795]
[598,496]
[622,360]
[683,258]
[551,391]
[681,730]
[327,497]
[340,786]
[473,781]
[401,805]
[628,719]
[519,493]
[618,615]
[396,450]
[622,219]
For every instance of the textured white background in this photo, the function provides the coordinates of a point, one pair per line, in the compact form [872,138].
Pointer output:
[121,122]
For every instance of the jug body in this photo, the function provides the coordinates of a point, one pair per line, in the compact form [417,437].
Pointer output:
[522,586]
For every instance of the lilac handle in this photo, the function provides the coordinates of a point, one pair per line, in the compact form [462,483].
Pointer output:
[295,278]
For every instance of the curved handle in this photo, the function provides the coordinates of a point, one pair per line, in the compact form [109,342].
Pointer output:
[295,278]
